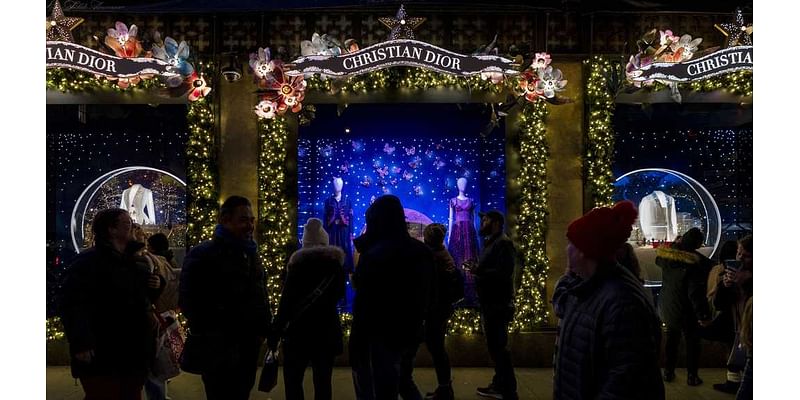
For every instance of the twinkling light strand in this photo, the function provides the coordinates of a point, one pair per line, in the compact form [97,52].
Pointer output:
[599,148]
[531,303]
[274,224]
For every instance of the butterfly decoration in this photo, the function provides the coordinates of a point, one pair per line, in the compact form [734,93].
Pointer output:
[393,181]
[382,171]
[327,151]
[386,190]
[439,164]
[415,162]
[410,150]
[357,145]
[459,161]
[366,182]
[417,190]
[439,146]
[388,149]
[429,153]
[407,175]
[344,168]
[396,170]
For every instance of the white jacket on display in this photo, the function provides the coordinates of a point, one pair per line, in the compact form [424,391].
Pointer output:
[138,202]
[658,217]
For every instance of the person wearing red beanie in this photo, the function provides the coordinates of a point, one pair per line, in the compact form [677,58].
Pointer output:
[609,333]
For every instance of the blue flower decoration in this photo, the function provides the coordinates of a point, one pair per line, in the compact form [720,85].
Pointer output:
[176,55]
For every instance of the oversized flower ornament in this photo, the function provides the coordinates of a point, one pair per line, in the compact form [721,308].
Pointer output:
[541,61]
[550,82]
[199,87]
[261,64]
[323,45]
[177,56]
[684,48]
[528,86]
[667,37]
[495,77]
[289,92]
[123,41]
[266,109]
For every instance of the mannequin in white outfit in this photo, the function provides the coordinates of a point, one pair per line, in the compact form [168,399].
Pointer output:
[138,202]
[658,216]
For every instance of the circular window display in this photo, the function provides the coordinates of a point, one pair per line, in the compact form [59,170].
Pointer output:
[154,198]
[669,203]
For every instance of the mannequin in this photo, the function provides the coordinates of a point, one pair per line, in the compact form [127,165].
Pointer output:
[463,238]
[658,217]
[138,202]
[338,221]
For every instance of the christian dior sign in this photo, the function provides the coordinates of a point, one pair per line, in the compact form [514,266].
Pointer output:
[74,56]
[720,62]
[401,52]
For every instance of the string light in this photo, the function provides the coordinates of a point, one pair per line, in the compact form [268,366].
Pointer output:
[68,80]
[273,207]
[201,172]
[600,134]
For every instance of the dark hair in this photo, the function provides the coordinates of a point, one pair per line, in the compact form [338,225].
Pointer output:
[434,234]
[386,218]
[231,204]
[158,242]
[103,221]
[747,243]
[728,250]
[692,240]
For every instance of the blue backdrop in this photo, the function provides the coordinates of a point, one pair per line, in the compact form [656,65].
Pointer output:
[415,152]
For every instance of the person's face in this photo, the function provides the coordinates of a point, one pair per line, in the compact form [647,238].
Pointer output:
[745,257]
[462,184]
[240,222]
[122,231]
[487,226]
[576,261]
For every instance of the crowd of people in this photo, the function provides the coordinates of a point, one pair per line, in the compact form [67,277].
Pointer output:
[118,292]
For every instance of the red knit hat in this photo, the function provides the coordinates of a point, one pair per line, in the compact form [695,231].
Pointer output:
[600,232]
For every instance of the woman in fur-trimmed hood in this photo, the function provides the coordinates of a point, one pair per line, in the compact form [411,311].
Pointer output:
[309,324]
[684,306]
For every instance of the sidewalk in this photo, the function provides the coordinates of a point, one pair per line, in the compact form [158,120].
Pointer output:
[534,384]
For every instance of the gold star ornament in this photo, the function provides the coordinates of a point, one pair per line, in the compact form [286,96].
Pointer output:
[736,32]
[402,26]
[59,27]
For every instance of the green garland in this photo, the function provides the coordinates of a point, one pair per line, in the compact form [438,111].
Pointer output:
[738,83]
[410,78]
[69,80]
[274,225]
[201,173]
[531,302]
[599,147]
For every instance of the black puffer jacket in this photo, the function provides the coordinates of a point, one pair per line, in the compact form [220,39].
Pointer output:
[317,328]
[393,291]
[494,275]
[223,296]
[683,291]
[106,306]
[609,338]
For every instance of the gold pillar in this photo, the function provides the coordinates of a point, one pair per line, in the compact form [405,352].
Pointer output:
[564,169]
[238,141]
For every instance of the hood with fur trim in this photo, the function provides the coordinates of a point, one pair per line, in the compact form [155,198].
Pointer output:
[316,254]
[681,256]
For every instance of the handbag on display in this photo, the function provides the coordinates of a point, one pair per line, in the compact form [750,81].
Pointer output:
[269,373]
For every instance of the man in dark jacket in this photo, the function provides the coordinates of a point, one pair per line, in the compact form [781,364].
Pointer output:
[494,282]
[223,296]
[307,318]
[392,284]
[107,311]
[684,305]
[609,334]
